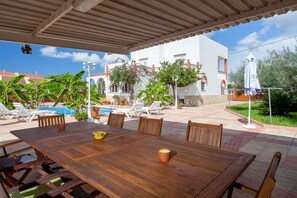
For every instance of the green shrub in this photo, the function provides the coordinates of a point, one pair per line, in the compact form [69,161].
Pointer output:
[281,103]
[81,115]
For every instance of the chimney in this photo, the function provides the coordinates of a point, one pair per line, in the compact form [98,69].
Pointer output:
[106,70]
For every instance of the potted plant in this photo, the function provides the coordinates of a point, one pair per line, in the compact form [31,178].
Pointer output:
[117,99]
[180,105]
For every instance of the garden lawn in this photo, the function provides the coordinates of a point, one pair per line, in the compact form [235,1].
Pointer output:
[255,115]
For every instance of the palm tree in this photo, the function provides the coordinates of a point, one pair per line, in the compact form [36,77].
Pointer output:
[10,89]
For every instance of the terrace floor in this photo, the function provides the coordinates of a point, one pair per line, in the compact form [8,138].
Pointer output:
[262,141]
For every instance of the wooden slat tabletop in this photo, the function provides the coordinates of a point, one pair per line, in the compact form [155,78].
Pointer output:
[126,164]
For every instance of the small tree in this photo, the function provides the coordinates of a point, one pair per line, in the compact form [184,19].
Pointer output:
[154,91]
[128,74]
[169,72]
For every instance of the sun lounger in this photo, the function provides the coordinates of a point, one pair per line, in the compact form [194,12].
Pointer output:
[135,109]
[28,115]
[5,112]
[154,107]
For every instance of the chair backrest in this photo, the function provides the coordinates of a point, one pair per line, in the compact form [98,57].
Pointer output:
[116,120]
[3,109]
[3,192]
[51,120]
[21,109]
[150,126]
[136,106]
[204,133]
[156,104]
[268,183]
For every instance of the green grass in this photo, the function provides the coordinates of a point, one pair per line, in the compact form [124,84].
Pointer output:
[290,120]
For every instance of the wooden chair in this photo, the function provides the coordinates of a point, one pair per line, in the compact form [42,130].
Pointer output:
[9,160]
[268,183]
[116,120]
[150,126]
[204,133]
[51,120]
[46,186]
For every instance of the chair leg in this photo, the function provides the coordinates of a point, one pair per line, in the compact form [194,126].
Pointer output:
[230,191]
[127,114]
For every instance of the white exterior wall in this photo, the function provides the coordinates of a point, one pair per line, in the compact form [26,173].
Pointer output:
[196,49]
[209,52]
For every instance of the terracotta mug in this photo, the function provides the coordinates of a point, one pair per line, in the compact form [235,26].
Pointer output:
[164,155]
[61,127]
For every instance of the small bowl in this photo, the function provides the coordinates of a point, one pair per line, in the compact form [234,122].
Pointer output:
[99,135]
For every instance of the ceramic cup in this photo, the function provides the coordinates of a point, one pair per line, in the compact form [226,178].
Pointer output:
[61,127]
[164,155]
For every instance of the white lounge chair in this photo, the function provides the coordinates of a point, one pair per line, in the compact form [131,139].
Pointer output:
[28,115]
[156,106]
[136,109]
[5,112]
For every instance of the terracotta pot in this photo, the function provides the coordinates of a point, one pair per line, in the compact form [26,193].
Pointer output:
[95,112]
[164,155]
[61,127]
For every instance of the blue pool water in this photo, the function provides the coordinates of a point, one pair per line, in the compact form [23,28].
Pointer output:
[67,111]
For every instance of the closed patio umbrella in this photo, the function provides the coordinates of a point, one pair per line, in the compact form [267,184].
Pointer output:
[251,83]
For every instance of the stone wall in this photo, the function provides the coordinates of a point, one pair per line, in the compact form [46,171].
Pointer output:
[194,101]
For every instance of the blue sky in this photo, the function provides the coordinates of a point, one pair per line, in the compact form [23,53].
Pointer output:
[239,39]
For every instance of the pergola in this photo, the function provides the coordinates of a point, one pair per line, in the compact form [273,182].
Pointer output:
[121,26]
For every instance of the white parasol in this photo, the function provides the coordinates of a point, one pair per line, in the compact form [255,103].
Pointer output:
[251,83]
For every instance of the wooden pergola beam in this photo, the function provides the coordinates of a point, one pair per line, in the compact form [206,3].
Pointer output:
[59,13]
[79,5]
[26,37]
[226,22]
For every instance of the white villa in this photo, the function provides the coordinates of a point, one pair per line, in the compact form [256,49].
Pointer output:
[198,51]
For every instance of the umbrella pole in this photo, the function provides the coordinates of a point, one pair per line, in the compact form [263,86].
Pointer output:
[249,114]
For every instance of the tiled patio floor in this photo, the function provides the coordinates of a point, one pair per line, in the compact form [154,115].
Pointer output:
[261,141]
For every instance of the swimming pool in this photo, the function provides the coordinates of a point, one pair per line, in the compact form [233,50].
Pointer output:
[67,111]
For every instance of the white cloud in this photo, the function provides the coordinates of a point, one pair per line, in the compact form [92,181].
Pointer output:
[284,23]
[209,34]
[82,56]
[283,27]
[250,40]
[52,52]
[235,60]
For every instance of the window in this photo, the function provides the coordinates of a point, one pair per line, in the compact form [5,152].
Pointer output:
[203,83]
[113,88]
[179,56]
[126,88]
[221,64]
[223,86]
[203,86]
[143,61]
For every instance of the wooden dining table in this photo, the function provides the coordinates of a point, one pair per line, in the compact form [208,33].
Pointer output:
[125,163]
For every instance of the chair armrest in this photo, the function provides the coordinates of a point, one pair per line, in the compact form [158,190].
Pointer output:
[48,178]
[32,163]
[245,188]
[20,151]
[65,187]
[10,143]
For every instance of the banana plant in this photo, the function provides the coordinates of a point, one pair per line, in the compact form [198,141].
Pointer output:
[12,89]
[154,91]
[69,88]
[36,92]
